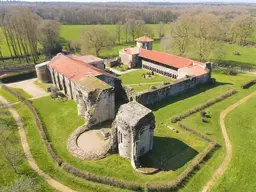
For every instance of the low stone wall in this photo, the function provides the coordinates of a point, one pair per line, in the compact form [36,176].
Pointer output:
[150,97]
[77,152]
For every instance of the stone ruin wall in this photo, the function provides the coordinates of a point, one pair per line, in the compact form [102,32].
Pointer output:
[153,96]
[103,109]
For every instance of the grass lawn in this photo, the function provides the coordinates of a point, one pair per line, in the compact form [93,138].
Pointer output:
[43,86]
[44,160]
[22,92]
[10,98]
[136,80]
[184,145]
[212,129]
[121,67]
[8,176]
[240,174]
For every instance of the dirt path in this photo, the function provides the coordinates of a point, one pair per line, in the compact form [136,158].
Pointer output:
[29,87]
[228,155]
[55,184]
[121,72]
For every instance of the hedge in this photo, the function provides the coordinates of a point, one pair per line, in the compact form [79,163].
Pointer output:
[18,76]
[202,106]
[173,184]
[195,132]
[248,84]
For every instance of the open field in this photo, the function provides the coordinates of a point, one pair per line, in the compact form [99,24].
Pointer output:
[136,80]
[7,174]
[242,134]
[212,129]
[70,32]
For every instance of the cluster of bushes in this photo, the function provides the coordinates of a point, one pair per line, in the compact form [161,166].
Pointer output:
[248,84]
[178,182]
[18,76]
[202,106]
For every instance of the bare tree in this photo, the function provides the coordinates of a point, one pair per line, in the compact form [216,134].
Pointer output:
[20,30]
[243,28]
[208,35]
[126,28]
[180,34]
[96,38]
[160,29]
[9,152]
[118,31]
[49,34]
[135,28]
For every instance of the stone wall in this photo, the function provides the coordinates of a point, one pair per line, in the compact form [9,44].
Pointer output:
[103,109]
[150,97]
[42,73]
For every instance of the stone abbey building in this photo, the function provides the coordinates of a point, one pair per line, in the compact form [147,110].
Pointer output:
[90,87]
[83,79]
[166,64]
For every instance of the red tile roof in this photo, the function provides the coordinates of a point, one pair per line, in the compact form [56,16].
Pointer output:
[145,38]
[167,59]
[74,69]
[197,70]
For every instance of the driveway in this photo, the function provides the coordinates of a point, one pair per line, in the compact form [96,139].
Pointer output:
[29,87]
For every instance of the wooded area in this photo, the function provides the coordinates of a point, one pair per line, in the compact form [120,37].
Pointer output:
[32,29]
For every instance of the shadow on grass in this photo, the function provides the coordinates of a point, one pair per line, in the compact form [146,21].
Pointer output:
[168,154]
[189,93]
[241,65]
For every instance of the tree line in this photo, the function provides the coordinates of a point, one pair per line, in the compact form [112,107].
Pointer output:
[206,34]
[111,13]
[27,35]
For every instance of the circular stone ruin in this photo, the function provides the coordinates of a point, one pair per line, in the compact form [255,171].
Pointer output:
[89,144]
[93,142]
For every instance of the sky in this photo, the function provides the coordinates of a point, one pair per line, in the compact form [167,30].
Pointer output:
[172,1]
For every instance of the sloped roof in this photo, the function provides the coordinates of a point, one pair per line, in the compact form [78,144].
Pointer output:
[167,59]
[197,70]
[74,69]
[87,58]
[145,38]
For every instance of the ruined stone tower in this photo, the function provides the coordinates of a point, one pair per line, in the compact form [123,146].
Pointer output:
[133,131]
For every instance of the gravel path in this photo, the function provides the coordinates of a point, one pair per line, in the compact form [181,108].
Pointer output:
[121,72]
[228,155]
[52,182]
[29,87]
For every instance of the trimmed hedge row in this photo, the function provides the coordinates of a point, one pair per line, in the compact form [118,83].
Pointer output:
[195,132]
[248,84]
[18,76]
[173,184]
[202,106]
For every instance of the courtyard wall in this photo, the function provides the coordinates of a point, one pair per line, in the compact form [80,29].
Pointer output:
[149,97]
